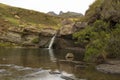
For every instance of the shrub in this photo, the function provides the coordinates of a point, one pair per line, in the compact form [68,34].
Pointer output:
[96,36]
[36,40]
[113,46]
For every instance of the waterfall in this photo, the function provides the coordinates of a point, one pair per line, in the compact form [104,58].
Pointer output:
[51,42]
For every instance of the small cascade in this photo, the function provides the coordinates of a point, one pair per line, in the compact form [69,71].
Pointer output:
[51,42]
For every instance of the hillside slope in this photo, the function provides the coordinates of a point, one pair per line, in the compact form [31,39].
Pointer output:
[21,27]
[18,16]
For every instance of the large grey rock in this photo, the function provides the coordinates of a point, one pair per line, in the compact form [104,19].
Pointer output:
[44,41]
[11,37]
[47,32]
[80,25]
[30,40]
[112,67]
[67,30]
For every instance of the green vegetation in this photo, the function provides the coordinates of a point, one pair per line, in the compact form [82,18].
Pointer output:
[93,13]
[101,37]
[94,39]
[7,44]
[36,40]
[100,40]
[113,46]
[18,16]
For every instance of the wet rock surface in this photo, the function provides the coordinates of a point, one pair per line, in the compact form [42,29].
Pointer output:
[112,67]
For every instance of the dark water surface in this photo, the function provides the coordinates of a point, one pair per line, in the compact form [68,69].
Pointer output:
[44,64]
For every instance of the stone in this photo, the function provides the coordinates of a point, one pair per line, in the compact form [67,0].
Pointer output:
[48,32]
[6,20]
[54,72]
[44,41]
[67,30]
[80,25]
[67,78]
[69,56]
[16,16]
[11,37]
[113,67]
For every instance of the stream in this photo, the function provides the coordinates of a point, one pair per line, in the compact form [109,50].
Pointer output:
[46,64]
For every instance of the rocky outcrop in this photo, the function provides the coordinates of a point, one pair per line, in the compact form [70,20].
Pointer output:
[110,10]
[107,10]
[24,37]
[13,37]
[64,39]
[48,32]
[69,14]
[52,13]
[45,36]
[34,30]
[32,36]
[70,28]
[67,30]
[65,14]
[80,25]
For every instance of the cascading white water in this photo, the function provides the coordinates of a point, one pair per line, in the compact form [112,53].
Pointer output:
[51,42]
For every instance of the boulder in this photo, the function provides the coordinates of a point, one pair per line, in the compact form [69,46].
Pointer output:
[30,40]
[11,37]
[31,30]
[17,17]
[67,30]
[112,67]
[48,32]
[80,25]
[69,56]
[44,41]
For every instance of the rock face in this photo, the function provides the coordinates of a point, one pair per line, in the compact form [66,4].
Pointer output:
[67,30]
[33,37]
[110,10]
[69,14]
[45,37]
[80,25]
[48,32]
[107,10]
[52,13]
[28,36]
[64,39]
[12,37]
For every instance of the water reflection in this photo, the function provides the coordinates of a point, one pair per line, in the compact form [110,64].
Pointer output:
[52,56]
[27,63]
[44,64]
